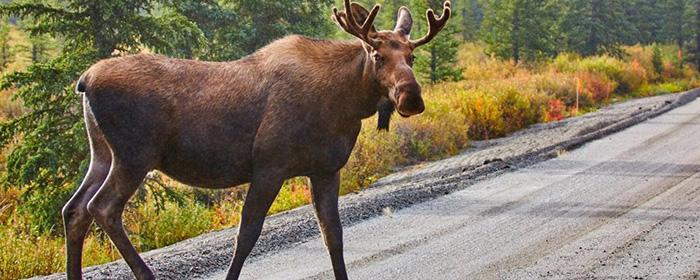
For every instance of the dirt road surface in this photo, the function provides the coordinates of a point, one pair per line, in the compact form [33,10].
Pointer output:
[626,206]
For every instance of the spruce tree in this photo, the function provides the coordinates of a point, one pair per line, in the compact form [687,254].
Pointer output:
[677,22]
[220,25]
[436,61]
[472,15]
[646,18]
[5,48]
[595,26]
[264,21]
[695,23]
[48,147]
[389,13]
[520,29]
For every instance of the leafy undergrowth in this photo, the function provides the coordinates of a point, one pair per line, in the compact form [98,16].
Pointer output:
[494,98]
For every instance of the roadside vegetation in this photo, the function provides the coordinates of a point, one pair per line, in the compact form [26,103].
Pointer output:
[475,88]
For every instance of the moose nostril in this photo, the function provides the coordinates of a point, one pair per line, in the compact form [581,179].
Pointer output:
[421,107]
[409,88]
[410,104]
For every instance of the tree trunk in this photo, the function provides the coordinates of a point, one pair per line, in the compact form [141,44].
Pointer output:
[35,56]
[465,25]
[697,33]
[515,33]
[433,65]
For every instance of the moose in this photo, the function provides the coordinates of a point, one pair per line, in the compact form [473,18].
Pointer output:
[293,108]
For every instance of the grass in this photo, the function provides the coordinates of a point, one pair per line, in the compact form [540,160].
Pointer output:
[494,98]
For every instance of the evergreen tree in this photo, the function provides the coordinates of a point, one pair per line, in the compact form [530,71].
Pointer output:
[388,14]
[694,49]
[219,24]
[677,21]
[472,15]
[264,21]
[48,145]
[436,61]
[520,29]
[40,47]
[646,18]
[5,49]
[595,26]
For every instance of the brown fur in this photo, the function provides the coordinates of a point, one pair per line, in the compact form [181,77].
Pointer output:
[230,108]
[294,108]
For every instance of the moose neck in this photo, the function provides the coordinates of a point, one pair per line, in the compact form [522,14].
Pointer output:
[338,74]
[362,90]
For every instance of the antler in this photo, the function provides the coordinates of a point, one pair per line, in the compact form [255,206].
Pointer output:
[434,24]
[347,21]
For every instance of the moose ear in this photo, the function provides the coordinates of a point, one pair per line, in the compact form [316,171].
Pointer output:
[404,22]
[361,15]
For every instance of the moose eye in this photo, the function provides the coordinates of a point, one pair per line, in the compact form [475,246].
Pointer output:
[378,58]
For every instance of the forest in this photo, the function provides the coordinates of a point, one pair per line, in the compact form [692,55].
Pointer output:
[498,67]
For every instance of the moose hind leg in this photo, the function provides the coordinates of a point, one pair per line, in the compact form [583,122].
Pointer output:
[325,199]
[107,207]
[261,194]
[76,218]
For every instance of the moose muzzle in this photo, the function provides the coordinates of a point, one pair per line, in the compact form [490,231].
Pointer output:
[408,99]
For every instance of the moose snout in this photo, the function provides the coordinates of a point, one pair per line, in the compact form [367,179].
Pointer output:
[409,100]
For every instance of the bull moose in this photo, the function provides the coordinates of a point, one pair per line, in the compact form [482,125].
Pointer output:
[293,108]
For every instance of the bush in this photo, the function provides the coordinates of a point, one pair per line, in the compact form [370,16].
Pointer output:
[25,255]
[375,154]
[294,193]
[634,77]
[519,109]
[151,228]
[556,110]
[596,87]
[481,111]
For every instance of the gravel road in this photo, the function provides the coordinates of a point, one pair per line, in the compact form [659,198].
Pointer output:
[622,206]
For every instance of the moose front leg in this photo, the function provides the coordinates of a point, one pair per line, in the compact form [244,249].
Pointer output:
[325,200]
[262,192]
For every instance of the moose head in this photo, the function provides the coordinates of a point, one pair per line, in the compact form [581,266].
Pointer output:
[391,54]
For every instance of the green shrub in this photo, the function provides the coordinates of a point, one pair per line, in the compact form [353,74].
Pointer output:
[294,193]
[25,255]
[441,132]
[375,154]
[481,111]
[151,228]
